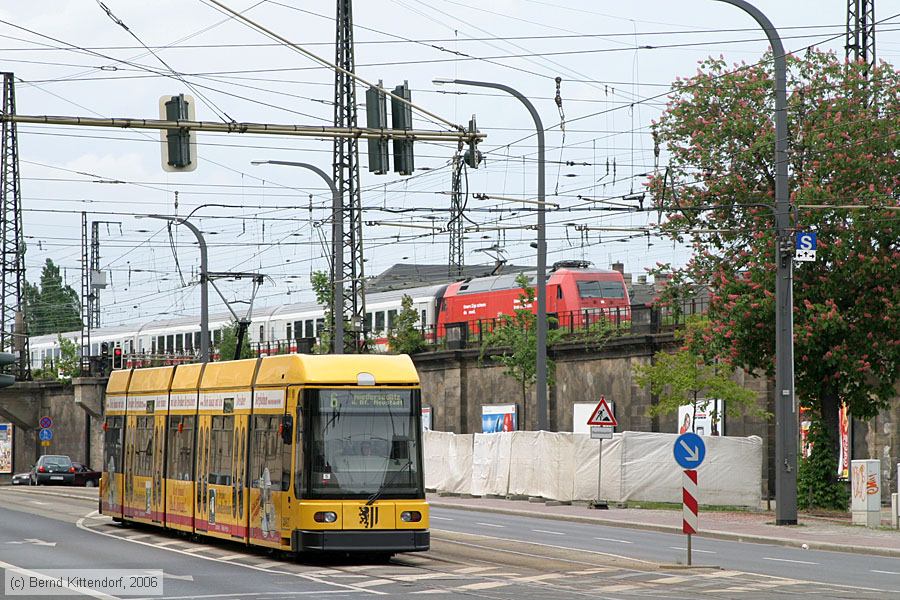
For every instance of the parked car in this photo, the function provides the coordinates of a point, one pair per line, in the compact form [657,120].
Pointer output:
[86,476]
[22,478]
[53,469]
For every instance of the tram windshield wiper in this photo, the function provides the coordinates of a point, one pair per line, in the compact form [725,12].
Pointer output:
[387,483]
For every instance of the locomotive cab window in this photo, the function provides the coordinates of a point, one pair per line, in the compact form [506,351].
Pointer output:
[601,289]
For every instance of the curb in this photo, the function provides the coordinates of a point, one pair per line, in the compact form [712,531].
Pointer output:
[719,535]
[46,493]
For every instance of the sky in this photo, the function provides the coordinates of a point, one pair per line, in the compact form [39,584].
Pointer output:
[616,62]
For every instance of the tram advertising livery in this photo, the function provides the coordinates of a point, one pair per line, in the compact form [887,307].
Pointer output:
[295,452]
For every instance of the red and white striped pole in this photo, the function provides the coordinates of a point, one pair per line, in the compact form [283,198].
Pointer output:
[690,506]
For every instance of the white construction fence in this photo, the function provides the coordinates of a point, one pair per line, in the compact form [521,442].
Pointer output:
[563,466]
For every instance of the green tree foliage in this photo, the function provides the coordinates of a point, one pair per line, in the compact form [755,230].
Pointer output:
[228,343]
[814,477]
[52,307]
[321,285]
[843,131]
[405,336]
[65,367]
[515,339]
[686,378]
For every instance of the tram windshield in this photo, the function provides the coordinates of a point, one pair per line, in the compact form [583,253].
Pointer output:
[363,443]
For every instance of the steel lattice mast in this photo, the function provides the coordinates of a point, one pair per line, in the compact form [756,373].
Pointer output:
[346,179]
[13,336]
[457,259]
[86,315]
[860,39]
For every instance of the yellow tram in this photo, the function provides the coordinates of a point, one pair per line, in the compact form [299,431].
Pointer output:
[294,452]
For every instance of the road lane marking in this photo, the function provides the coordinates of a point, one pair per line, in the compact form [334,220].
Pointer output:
[76,589]
[538,578]
[475,569]
[491,525]
[787,560]
[885,572]
[483,585]
[548,532]
[613,540]
[345,587]
[271,563]
[692,550]
[374,582]
[440,518]
[232,556]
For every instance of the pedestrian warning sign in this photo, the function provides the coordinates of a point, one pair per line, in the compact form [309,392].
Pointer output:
[602,415]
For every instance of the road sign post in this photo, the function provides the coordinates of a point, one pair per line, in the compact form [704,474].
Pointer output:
[689,451]
[603,423]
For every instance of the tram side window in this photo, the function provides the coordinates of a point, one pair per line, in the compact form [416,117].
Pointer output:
[143,447]
[268,454]
[181,448]
[220,449]
[112,447]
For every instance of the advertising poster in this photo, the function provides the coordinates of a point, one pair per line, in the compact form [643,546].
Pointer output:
[426,417]
[805,424]
[499,417]
[6,449]
[844,453]
[701,421]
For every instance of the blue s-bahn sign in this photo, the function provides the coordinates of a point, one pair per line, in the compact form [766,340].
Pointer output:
[805,246]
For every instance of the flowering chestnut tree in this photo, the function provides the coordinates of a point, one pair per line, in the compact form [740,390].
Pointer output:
[718,194]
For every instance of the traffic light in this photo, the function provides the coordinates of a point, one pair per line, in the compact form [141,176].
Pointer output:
[7,358]
[401,118]
[178,143]
[117,361]
[376,118]
[473,155]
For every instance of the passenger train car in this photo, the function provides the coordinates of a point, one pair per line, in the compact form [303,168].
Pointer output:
[300,453]
[575,295]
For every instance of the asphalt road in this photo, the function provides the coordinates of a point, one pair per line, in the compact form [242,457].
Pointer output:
[474,555]
[839,568]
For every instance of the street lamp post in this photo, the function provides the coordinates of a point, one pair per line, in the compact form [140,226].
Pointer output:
[204,283]
[337,249]
[786,423]
[541,359]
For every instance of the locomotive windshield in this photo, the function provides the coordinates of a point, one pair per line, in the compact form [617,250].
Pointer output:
[601,289]
[362,442]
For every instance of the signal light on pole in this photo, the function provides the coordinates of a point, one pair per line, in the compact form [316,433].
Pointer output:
[401,118]
[7,358]
[117,358]
[376,118]
[178,144]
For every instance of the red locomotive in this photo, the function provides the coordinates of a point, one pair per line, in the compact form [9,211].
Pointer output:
[576,294]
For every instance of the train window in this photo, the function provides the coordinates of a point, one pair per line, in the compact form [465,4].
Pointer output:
[559,292]
[112,445]
[267,459]
[170,343]
[320,325]
[179,343]
[221,442]
[217,336]
[143,447]
[196,339]
[379,321]
[262,333]
[368,321]
[422,321]
[288,332]
[310,332]
[161,344]
[181,448]
[391,318]
[601,289]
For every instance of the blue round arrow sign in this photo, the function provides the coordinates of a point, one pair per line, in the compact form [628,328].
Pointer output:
[689,450]
[46,435]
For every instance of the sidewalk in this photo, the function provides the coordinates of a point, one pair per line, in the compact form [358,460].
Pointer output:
[818,533]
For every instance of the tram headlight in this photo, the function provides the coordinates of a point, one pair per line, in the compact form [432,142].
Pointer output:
[325,517]
[410,516]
